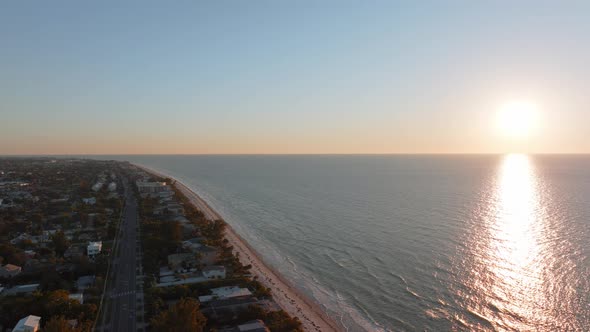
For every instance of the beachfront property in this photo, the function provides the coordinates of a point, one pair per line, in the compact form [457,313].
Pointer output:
[192,244]
[187,276]
[9,271]
[28,324]
[171,208]
[94,248]
[215,308]
[251,326]
[214,272]
[151,188]
[223,293]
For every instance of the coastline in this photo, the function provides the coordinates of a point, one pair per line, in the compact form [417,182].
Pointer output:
[312,317]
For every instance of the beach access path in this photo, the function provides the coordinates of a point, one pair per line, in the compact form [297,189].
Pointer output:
[312,317]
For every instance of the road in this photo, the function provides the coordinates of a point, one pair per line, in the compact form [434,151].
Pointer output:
[121,295]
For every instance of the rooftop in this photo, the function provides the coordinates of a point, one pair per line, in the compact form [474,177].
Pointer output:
[213,268]
[222,293]
[27,323]
[10,267]
[253,326]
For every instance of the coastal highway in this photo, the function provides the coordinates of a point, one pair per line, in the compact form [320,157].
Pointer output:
[121,295]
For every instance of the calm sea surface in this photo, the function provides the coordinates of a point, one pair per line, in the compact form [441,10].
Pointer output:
[406,243]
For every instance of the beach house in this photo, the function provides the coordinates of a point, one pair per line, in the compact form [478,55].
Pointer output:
[94,248]
[251,326]
[28,324]
[222,293]
[9,271]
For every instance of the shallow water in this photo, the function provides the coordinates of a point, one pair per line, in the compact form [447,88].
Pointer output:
[414,242]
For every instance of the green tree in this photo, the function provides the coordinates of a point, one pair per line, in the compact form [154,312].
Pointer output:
[61,324]
[12,255]
[60,243]
[280,321]
[183,317]
[58,324]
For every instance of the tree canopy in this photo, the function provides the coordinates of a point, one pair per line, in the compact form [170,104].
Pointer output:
[184,316]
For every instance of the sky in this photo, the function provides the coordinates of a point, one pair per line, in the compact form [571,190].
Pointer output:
[266,77]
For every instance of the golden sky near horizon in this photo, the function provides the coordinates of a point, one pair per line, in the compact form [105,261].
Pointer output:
[364,78]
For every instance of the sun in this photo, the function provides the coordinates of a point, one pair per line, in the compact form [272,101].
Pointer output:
[517,119]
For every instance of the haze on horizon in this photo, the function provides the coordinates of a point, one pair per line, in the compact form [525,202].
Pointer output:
[291,77]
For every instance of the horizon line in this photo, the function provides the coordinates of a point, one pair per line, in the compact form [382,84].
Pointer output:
[294,154]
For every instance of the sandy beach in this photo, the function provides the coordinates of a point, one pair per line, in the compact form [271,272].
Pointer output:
[297,305]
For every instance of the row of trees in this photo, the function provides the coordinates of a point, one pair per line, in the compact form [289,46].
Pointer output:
[46,305]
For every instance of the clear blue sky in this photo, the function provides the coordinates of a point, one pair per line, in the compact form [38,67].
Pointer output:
[290,76]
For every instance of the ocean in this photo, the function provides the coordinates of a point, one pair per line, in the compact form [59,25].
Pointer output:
[413,242]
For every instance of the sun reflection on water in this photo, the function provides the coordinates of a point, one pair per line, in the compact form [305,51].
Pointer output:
[511,255]
[516,212]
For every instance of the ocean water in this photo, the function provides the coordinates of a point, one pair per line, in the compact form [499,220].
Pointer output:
[406,243]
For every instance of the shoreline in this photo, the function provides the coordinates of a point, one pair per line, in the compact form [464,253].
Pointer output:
[285,295]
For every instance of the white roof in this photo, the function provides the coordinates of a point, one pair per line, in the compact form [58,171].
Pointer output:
[29,321]
[225,293]
[253,325]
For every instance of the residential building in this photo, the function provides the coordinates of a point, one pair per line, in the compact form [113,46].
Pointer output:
[97,186]
[222,293]
[214,272]
[89,200]
[235,304]
[21,290]
[9,271]
[252,326]
[192,244]
[28,324]
[94,248]
[151,187]
[77,296]
[85,282]
[47,235]
[176,261]
[25,237]
[169,208]
[74,251]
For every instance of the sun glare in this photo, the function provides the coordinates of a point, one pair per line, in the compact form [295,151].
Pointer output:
[517,119]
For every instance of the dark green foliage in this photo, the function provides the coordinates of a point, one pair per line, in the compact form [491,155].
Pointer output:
[184,316]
